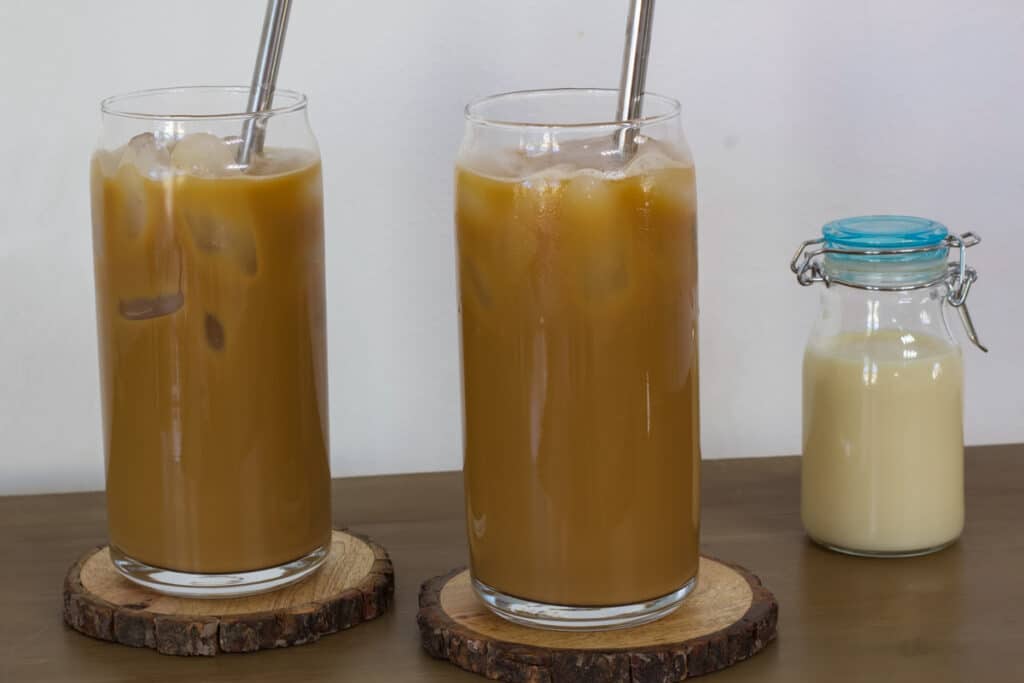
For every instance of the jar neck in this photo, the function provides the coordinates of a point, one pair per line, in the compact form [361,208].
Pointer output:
[847,310]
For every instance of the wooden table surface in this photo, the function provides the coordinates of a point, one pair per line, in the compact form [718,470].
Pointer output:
[954,616]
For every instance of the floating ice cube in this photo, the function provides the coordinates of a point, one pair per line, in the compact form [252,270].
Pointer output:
[108,160]
[147,155]
[591,217]
[205,155]
[551,174]
[654,155]
[649,162]
[596,154]
[589,197]
[272,161]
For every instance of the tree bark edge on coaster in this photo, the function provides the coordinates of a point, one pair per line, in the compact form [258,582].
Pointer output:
[482,643]
[356,584]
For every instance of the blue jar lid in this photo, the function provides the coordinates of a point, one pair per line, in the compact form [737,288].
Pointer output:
[884,232]
[861,233]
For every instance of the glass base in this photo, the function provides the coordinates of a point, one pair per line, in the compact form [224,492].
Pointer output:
[212,586]
[891,554]
[566,618]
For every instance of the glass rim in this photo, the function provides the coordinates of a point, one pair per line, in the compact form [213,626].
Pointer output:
[472,116]
[113,105]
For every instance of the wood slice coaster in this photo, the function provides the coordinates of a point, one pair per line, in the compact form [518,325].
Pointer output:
[729,617]
[355,584]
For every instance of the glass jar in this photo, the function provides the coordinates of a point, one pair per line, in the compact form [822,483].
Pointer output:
[210,301]
[882,467]
[578,308]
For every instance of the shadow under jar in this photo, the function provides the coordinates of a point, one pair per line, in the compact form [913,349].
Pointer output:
[578,305]
[210,303]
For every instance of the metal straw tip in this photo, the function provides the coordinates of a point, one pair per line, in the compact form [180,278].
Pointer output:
[264,78]
[635,57]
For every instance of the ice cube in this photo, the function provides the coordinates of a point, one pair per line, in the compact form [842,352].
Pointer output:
[654,155]
[207,233]
[108,160]
[206,155]
[273,161]
[598,154]
[550,175]
[481,203]
[670,189]
[597,234]
[590,216]
[147,155]
[218,235]
[151,307]
[128,207]
[648,162]
[214,332]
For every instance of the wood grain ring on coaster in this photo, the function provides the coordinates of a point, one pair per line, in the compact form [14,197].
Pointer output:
[729,617]
[355,584]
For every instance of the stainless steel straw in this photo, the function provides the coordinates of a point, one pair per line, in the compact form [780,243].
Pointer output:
[634,72]
[264,78]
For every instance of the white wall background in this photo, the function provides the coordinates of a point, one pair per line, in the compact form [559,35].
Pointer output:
[798,111]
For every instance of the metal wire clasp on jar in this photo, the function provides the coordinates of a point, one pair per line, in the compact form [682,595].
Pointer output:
[807,264]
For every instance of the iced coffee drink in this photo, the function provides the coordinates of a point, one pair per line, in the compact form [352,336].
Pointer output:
[211,318]
[578,301]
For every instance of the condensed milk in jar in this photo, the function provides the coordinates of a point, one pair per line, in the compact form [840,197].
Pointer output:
[882,468]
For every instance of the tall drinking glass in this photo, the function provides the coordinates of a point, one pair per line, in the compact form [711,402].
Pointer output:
[578,303]
[210,308]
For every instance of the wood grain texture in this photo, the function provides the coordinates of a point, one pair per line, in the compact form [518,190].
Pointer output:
[355,584]
[952,617]
[730,617]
